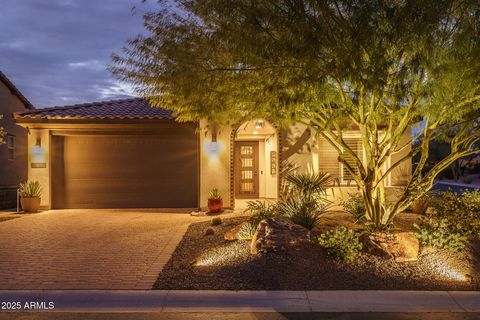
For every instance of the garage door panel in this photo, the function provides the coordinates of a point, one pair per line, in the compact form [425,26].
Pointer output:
[124,171]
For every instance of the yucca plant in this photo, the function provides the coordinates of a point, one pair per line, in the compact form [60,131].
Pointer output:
[30,189]
[308,184]
[304,198]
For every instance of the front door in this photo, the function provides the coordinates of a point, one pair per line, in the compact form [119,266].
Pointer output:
[246,169]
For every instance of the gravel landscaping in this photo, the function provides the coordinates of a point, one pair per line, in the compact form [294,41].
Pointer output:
[202,262]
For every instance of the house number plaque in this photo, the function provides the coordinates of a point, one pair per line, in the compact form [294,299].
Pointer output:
[273,163]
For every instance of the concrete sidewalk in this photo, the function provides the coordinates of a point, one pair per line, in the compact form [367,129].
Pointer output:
[245,301]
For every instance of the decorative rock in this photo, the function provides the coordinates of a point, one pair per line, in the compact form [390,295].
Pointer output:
[231,235]
[401,246]
[209,231]
[278,235]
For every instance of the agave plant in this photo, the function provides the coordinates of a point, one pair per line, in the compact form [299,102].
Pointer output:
[246,232]
[30,189]
[215,194]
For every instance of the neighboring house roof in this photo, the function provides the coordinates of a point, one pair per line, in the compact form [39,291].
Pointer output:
[123,109]
[15,91]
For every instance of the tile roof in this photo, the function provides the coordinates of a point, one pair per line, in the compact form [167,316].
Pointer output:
[15,91]
[123,109]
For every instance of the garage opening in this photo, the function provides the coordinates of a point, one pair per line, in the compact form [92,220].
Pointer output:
[126,170]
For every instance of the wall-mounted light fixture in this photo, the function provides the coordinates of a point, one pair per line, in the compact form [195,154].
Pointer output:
[38,155]
[259,124]
[213,147]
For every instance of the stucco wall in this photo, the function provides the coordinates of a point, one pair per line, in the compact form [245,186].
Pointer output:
[307,157]
[12,172]
[214,164]
[40,155]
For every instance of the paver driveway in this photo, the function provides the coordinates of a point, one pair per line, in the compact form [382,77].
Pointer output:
[88,249]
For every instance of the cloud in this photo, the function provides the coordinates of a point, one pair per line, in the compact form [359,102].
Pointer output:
[56,51]
[90,64]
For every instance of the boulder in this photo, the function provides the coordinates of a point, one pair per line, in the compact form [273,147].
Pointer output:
[231,235]
[275,234]
[401,246]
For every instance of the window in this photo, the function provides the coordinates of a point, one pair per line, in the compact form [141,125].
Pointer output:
[328,159]
[11,146]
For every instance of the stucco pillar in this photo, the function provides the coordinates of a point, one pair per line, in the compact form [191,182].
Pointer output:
[39,162]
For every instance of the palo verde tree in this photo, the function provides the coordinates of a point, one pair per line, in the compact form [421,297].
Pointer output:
[378,66]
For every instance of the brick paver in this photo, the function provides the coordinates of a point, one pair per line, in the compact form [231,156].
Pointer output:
[88,249]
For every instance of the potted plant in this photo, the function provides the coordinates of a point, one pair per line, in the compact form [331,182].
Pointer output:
[30,193]
[215,203]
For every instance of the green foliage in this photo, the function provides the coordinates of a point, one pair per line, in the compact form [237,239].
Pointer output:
[301,211]
[461,212]
[304,202]
[420,205]
[246,232]
[30,189]
[214,194]
[216,221]
[333,65]
[355,206]
[439,233]
[259,211]
[307,185]
[341,243]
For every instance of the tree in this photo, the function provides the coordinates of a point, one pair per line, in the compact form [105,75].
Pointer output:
[378,66]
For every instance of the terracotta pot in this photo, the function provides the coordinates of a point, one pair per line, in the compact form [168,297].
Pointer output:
[215,205]
[30,205]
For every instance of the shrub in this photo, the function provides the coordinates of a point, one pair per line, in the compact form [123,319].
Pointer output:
[259,211]
[355,206]
[216,221]
[304,200]
[209,231]
[439,233]
[342,243]
[30,189]
[461,212]
[246,232]
[301,211]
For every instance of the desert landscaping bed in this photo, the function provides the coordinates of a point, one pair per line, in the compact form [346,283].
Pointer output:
[208,262]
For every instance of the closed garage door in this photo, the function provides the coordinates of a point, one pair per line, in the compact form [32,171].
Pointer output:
[126,170]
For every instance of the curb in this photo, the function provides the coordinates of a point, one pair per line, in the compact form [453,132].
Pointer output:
[174,301]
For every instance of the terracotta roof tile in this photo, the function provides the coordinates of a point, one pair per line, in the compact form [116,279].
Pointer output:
[124,109]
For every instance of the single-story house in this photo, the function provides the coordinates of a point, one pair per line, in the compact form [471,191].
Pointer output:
[126,154]
[13,152]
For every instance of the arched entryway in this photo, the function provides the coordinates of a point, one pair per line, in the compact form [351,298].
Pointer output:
[255,162]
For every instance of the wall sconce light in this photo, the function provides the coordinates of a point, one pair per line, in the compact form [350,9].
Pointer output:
[38,155]
[259,124]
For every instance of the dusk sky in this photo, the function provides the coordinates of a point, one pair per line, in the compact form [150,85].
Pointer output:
[56,51]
